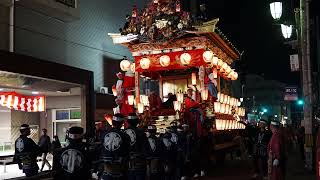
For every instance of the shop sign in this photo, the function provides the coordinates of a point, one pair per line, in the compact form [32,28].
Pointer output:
[294,62]
[291,94]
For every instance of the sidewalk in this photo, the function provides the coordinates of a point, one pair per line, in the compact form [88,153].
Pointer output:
[296,169]
[243,170]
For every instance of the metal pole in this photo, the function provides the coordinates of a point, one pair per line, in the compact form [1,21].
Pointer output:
[11,27]
[306,81]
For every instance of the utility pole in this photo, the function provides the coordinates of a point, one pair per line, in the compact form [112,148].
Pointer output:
[306,78]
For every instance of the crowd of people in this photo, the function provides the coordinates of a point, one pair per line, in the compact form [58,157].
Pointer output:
[131,153]
[270,148]
[141,153]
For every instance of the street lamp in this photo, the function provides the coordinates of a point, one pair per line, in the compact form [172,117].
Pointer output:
[276,9]
[286,30]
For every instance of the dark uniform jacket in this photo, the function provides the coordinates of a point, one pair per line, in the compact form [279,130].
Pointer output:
[138,148]
[261,143]
[26,152]
[74,162]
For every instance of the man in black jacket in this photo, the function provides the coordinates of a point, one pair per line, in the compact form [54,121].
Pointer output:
[26,152]
[45,145]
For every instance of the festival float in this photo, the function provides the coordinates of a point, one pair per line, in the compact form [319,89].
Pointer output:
[176,54]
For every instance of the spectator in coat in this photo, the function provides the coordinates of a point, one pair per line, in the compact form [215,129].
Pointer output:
[45,146]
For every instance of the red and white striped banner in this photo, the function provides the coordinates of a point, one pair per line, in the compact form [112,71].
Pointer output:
[13,100]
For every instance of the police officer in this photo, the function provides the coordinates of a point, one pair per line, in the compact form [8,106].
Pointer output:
[138,145]
[74,159]
[115,151]
[26,152]
[154,150]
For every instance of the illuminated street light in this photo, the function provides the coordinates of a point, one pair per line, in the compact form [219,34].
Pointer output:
[276,10]
[286,30]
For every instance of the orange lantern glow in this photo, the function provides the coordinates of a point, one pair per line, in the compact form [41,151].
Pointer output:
[220,63]
[204,94]
[221,99]
[235,76]
[114,90]
[130,99]
[185,58]
[133,67]
[140,108]
[215,73]
[177,105]
[222,108]
[125,64]
[193,79]
[207,56]
[225,99]
[217,107]
[215,60]
[179,97]
[224,67]
[165,60]
[228,69]
[145,63]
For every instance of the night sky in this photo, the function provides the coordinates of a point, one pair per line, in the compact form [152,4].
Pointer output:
[249,25]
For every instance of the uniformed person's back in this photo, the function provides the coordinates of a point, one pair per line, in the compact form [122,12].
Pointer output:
[115,151]
[26,152]
[74,158]
[138,144]
[154,151]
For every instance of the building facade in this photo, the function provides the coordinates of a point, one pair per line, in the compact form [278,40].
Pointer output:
[265,98]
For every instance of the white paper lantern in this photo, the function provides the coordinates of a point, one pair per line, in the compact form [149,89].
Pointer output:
[234,76]
[185,58]
[207,56]
[228,69]
[204,94]
[140,108]
[145,63]
[165,60]
[215,60]
[193,79]
[125,65]
[130,99]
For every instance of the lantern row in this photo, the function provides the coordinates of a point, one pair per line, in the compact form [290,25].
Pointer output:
[185,58]
[228,124]
[221,108]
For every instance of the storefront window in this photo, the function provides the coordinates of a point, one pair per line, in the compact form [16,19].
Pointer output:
[63,120]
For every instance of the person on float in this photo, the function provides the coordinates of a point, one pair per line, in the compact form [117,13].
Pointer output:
[274,152]
[154,150]
[155,102]
[138,148]
[211,82]
[260,153]
[75,159]
[26,152]
[123,87]
[191,105]
[115,151]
